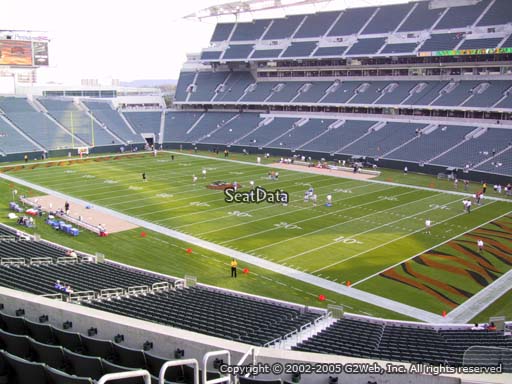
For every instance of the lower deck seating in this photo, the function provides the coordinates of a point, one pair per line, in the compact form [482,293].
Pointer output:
[212,313]
[401,343]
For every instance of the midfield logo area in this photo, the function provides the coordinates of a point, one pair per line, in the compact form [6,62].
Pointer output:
[256,195]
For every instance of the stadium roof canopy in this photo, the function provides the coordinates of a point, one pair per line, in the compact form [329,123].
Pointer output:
[238,7]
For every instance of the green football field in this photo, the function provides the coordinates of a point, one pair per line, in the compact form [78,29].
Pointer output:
[372,236]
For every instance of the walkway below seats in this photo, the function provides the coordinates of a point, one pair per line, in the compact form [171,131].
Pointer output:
[354,293]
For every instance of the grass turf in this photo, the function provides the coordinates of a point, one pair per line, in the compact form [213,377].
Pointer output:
[159,253]
[370,227]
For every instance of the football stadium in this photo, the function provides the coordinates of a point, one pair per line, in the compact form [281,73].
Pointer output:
[325,197]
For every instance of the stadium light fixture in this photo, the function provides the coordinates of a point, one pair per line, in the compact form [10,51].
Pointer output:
[92,331]
[20,312]
[43,318]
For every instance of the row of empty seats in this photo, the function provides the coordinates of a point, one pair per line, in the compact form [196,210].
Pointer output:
[241,87]
[47,354]
[198,309]
[113,121]
[397,18]
[212,313]
[408,344]
[439,144]
[362,47]
[32,123]
[78,122]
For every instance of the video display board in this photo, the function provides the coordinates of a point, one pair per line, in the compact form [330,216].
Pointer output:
[15,52]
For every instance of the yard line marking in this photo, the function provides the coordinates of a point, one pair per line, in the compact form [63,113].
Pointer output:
[274,267]
[183,179]
[449,192]
[369,230]
[210,193]
[250,210]
[311,218]
[435,246]
[321,229]
[392,241]
[287,212]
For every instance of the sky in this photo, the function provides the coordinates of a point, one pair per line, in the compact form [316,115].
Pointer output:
[126,40]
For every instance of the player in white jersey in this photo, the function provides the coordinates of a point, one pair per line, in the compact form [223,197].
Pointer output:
[251,183]
[480,245]
[204,173]
[194,179]
[428,224]
[313,199]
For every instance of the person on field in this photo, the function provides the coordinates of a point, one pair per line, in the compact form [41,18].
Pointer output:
[234,264]
[480,245]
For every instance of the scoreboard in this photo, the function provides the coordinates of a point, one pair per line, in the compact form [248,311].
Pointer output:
[23,53]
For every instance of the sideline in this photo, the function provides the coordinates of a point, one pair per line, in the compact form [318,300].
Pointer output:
[382,302]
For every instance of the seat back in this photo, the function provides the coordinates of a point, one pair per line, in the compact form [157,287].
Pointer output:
[154,364]
[40,332]
[129,357]
[15,344]
[97,347]
[23,371]
[52,355]
[58,377]
[109,367]
[13,324]
[188,375]
[84,366]
[69,340]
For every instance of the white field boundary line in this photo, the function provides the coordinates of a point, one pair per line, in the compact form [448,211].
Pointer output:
[334,225]
[399,238]
[366,180]
[268,206]
[305,277]
[481,300]
[65,158]
[310,218]
[368,230]
[229,207]
[435,246]
[294,211]
[37,175]
[182,176]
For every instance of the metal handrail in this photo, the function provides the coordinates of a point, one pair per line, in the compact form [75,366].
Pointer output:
[206,357]
[177,363]
[126,375]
